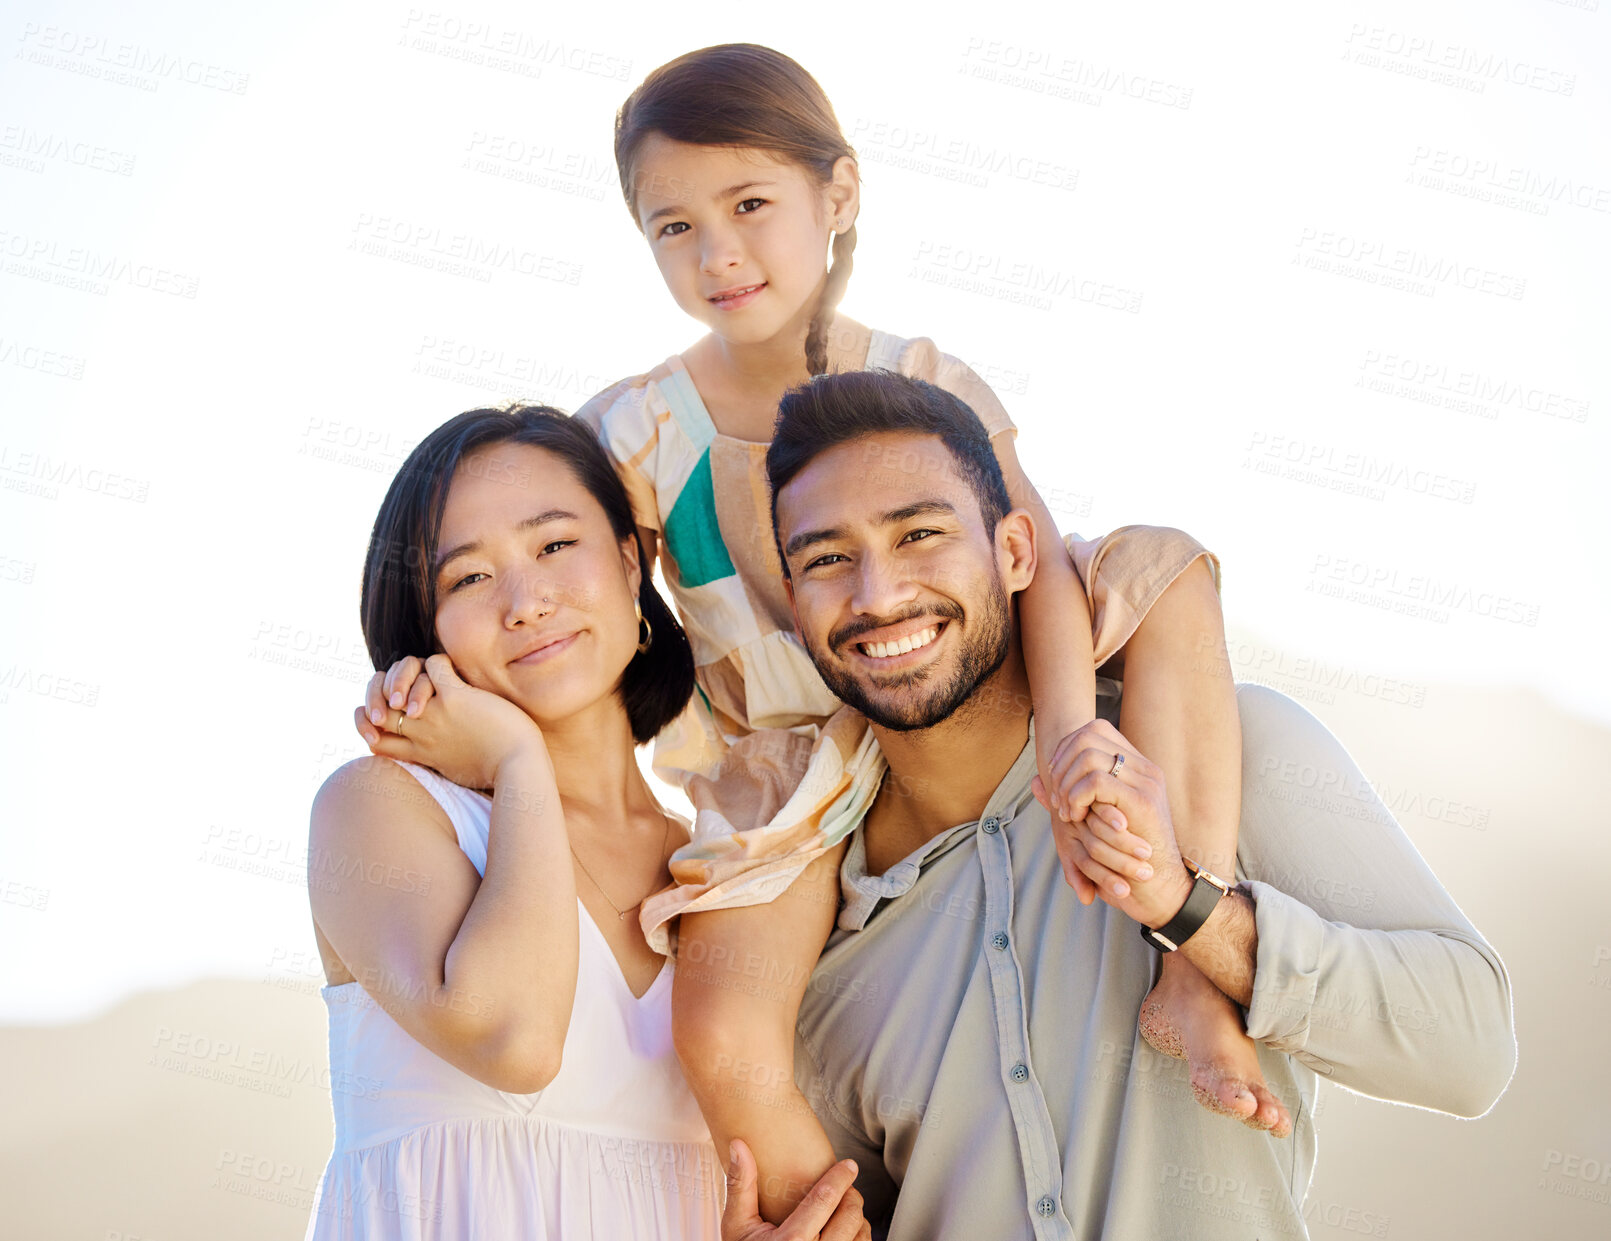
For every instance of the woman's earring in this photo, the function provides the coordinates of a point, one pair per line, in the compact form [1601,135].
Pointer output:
[644,628]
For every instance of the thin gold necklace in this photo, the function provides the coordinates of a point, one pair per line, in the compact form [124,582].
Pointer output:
[619,912]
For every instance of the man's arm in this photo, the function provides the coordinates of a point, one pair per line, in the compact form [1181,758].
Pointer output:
[1367,971]
[1346,951]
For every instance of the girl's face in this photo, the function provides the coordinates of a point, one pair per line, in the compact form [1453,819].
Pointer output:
[741,238]
[535,593]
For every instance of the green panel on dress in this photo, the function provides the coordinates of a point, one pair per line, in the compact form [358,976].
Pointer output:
[692,533]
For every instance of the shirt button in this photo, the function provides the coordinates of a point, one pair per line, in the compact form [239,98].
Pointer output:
[1046,1207]
[1020,1072]
[992,826]
[998,940]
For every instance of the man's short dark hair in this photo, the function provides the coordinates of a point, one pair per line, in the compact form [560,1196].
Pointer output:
[836,409]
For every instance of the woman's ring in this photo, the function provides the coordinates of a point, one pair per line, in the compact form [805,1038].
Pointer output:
[1118,762]
[398,727]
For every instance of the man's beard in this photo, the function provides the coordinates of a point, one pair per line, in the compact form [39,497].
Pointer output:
[985,642]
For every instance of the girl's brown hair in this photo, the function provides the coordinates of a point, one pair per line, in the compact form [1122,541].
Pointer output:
[744,95]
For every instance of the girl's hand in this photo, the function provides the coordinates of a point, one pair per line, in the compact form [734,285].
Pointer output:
[402,687]
[1101,829]
[464,733]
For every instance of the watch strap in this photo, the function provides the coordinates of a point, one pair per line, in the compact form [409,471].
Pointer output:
[1206,893]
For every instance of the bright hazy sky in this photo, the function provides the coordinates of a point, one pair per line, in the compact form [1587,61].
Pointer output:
[1327,288]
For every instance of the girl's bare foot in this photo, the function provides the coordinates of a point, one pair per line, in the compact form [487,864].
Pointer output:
[1189,1018]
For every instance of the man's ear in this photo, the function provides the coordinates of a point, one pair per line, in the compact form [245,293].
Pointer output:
[788,590]
[1015,550]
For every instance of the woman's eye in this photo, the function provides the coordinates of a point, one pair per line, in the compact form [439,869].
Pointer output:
[674,229]
[556,545]
[750,204]
[465,580]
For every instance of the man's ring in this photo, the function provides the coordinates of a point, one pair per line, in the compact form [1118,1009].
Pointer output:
[1118,762]
[398,727]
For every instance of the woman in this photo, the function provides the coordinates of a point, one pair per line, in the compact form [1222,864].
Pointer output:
[500,1031]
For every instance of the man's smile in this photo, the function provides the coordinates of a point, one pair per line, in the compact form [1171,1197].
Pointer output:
[896,646]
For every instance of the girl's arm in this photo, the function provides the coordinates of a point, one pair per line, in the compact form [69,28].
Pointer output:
[1054,617]
[741,974]
[1179,703]
[482,971]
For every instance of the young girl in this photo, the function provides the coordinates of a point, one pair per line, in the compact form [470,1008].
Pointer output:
[737,173]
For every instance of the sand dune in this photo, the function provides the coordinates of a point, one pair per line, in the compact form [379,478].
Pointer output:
[204,1112]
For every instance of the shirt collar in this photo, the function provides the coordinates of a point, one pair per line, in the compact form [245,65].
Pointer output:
[862,893]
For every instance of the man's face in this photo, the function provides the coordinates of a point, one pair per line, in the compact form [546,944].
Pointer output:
[896,584]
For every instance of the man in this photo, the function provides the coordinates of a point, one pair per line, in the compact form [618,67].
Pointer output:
[969,1036]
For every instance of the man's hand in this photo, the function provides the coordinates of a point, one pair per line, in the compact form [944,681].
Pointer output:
[830,1210]
[1115,834]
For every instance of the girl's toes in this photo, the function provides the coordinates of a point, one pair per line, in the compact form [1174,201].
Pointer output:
[1272,1113]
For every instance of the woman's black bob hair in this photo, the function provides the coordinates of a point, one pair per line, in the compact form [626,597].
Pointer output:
[398,602]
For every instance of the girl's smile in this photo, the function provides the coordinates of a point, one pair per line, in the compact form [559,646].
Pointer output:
[733,299]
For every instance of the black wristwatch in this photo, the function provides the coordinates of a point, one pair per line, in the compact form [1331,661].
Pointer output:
[1206,894]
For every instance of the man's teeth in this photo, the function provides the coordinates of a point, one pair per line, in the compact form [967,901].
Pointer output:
[912,642]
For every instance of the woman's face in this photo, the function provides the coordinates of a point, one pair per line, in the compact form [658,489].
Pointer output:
[740,237]
[535,594]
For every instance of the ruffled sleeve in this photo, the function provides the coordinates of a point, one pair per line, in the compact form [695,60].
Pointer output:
[628,421]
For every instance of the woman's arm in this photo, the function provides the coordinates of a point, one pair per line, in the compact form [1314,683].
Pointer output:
[480,970]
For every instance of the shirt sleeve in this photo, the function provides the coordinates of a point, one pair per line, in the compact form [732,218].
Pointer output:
[920,359]
[849,1139]
[628,421]
[1367,972]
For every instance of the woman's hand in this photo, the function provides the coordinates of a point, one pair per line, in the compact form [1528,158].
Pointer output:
[427,715]
[830,1210]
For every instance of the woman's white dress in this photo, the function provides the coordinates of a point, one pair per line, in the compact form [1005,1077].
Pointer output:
[613,1148]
